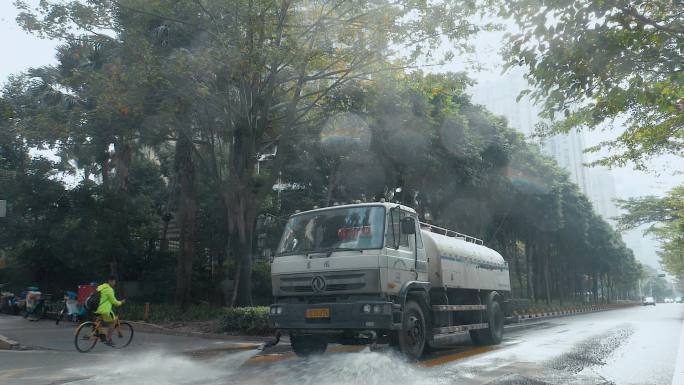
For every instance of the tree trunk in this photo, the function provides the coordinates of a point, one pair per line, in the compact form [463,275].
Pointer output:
[185,174]
[537,274]
[242,204]
[519,273]
[547,279]
[216,297]
[103,160]
[529,251]
[243,284]
[122,164]
[562,280]
[594,289]
[243,199]
[332,182]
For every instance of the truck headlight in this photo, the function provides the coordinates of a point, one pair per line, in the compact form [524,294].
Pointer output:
[366,308]
[377,309]
[276,310]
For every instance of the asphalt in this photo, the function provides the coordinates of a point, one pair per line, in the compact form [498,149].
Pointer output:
[628,346]
[45,335]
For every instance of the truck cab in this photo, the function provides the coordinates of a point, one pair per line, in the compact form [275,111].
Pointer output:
[360,274]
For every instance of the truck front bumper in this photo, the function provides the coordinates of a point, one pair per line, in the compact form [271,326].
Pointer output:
[331,317]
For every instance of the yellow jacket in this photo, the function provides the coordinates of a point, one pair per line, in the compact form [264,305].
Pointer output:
[107,299]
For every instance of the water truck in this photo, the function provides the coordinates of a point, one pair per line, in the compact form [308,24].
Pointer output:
[372,273]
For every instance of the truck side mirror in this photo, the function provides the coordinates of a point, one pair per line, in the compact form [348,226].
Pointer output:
[408,226]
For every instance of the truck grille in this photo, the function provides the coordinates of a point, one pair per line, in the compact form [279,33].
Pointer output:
[342,282]
[334,282]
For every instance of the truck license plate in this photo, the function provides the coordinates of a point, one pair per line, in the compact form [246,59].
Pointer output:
[318,313]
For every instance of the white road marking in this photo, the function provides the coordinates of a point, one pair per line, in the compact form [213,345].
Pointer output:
[678,374]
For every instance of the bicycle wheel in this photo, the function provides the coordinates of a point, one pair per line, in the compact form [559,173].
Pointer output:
[85,337]
[122,336]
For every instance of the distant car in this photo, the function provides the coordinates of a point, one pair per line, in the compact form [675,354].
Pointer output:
[669,300]
[678,300]
[649,301]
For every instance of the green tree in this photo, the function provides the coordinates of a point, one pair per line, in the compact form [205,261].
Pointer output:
[665,217]
[595,62]
[267,67]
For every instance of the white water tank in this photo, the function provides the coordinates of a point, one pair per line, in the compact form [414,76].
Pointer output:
[456,263]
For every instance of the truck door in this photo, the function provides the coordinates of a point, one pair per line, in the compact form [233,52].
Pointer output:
[401,251]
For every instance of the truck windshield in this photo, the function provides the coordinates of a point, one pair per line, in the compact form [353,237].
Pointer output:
[352,228]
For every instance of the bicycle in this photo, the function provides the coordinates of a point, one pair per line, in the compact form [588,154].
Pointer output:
[88,333]
[65,311]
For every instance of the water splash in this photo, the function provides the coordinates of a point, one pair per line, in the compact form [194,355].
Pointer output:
[358,368]
[159,368]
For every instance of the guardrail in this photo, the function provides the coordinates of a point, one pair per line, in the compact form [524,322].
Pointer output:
[522,315]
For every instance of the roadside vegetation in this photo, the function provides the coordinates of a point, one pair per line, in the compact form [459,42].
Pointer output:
[186,132]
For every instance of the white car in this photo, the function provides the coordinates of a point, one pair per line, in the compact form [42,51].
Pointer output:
[669,300]
[649,301]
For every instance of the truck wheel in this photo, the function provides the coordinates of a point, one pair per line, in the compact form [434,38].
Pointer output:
[307,345]
[494,333]
[412,335]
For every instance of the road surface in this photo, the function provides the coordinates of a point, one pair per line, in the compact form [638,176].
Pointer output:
[638,345]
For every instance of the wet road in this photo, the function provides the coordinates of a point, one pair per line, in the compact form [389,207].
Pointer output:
[637,345]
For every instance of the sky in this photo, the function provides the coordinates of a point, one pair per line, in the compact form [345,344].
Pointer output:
[30,51]
[25,50]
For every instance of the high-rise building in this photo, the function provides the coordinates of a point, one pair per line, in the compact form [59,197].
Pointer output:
[568,151]
[602,192]
[500,96]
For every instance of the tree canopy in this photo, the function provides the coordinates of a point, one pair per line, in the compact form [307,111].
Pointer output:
[192,129]
[593,63]
[665,217]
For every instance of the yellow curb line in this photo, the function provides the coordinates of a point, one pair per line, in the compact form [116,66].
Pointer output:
[456,356]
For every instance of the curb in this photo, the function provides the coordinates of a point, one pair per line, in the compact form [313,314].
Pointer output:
[8,344]
[145,327]
[522,318]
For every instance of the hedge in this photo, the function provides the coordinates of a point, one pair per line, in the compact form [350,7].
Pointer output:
[163,312]
[250,320]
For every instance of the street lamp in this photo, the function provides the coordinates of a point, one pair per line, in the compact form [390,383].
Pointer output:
[650,277]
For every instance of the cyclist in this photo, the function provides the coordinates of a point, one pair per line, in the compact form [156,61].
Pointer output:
[107,300]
